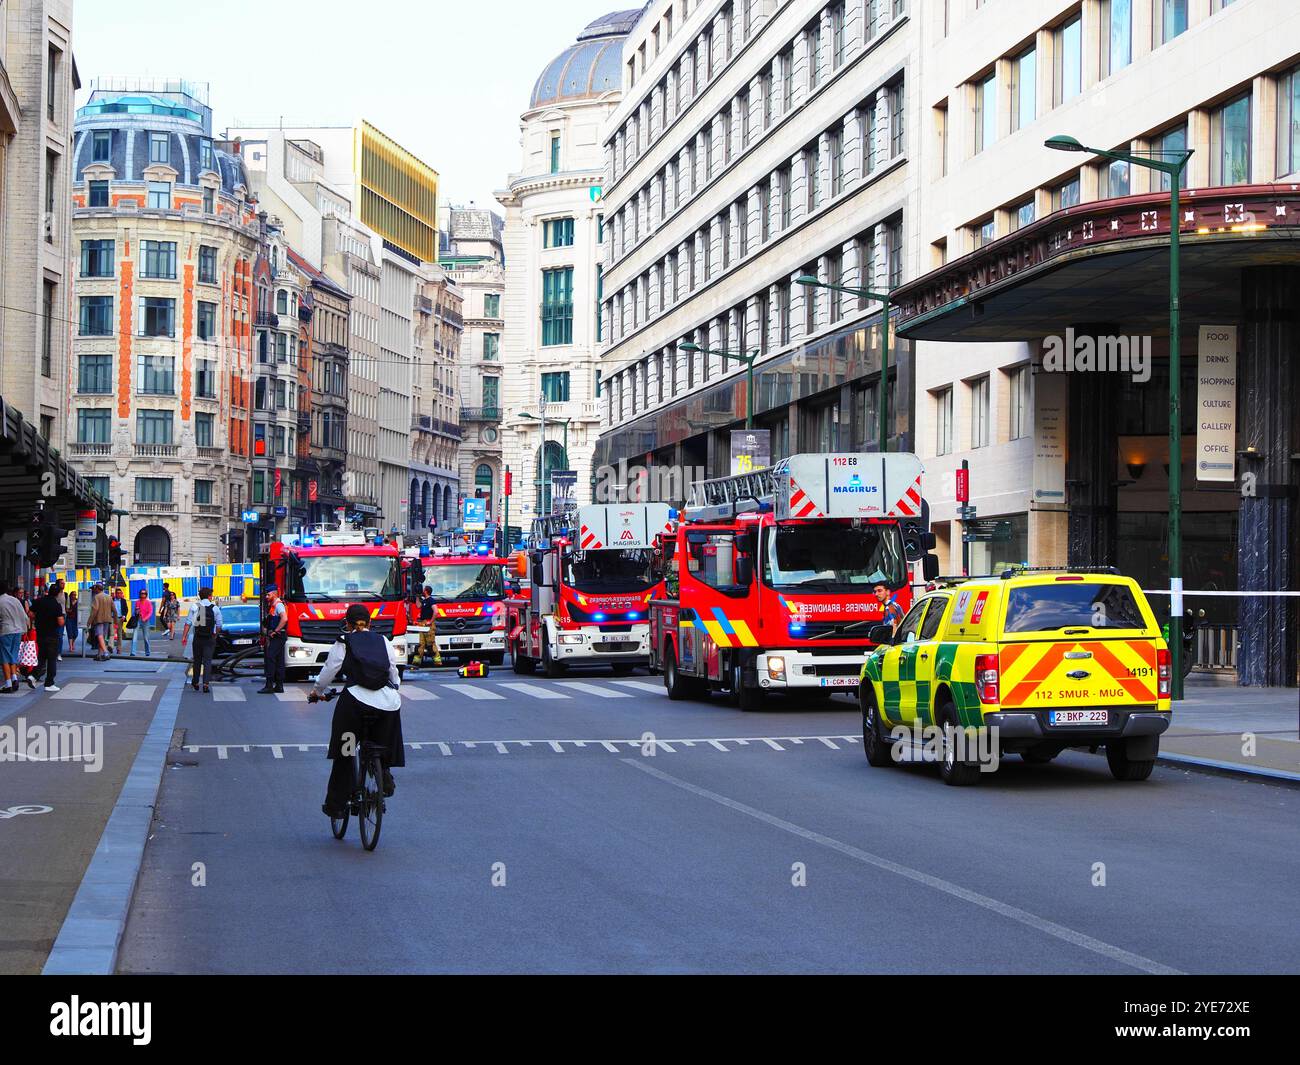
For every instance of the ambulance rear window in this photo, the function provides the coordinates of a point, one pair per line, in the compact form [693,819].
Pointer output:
[1048,607]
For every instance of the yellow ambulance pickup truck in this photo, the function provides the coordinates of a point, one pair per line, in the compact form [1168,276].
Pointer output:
[1028,664]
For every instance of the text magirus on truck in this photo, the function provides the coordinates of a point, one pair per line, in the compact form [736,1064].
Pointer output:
[779,575]
[591,577]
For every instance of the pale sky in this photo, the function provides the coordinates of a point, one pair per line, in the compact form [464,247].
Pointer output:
[446,80]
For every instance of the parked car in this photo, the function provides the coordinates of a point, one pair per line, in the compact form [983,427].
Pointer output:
[241,627]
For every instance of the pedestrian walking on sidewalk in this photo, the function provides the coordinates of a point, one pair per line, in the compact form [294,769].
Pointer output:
[275,624]
[140,620]
[100,621]
[205,619]
[121,611]
[47,614]
[13,624]
[170,613]
[70,622]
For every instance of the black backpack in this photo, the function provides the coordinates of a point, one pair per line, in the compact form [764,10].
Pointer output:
[366,660]
[205,623]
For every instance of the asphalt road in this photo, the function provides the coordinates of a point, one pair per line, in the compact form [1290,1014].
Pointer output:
[533,831]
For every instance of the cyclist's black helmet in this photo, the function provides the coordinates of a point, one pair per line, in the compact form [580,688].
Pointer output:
[357,612]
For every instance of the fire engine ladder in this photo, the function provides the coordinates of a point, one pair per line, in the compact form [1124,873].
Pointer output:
[551,526]
[717,498]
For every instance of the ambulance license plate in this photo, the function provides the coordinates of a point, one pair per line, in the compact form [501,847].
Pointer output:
[838,682]
[1078,717]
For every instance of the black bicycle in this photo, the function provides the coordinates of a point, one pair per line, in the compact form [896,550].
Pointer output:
[367,804]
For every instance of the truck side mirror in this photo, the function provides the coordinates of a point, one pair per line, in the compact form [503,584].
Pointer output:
[744,571]
[930,566]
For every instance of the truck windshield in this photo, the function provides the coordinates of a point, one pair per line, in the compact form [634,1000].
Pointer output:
[610,571]
[463,582]
[345,579]
[833,557]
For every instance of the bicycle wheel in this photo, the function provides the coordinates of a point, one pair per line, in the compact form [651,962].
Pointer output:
[339,825]
[372,802]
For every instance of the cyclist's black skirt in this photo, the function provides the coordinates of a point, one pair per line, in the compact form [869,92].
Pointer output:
[385,728]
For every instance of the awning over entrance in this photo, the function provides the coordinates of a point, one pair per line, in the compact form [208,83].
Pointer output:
[26,458]
[1106,262]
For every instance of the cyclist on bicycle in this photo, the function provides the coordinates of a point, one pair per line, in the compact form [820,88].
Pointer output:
[369,664]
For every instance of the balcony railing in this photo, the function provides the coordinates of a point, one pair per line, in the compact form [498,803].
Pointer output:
[90,450]
[207,510]
[480,414]
[154,506]
[422,421]
[210,452]
[157,451]
[268,320]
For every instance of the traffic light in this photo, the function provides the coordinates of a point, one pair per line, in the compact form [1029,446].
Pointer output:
[114,553]
[37,533]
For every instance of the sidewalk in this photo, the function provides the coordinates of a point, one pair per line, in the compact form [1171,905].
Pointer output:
[1212,725]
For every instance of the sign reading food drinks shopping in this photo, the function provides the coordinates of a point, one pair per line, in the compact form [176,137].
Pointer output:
[1216,403]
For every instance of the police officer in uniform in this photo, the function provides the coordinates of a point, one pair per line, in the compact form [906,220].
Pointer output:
[275,624]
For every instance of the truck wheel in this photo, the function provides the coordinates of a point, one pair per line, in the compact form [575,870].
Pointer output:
[743,697]
[878,749]
[522,664]
[952,771]
[551,667]
[674,683]
[1122,767]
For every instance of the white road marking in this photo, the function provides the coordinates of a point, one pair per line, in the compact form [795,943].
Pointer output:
[642,685]
[718,744]
[592,689]
[276,752]
[75,691]
[445,748]
[947,887]
[829,742]
[292,695]
[472,692]
[416,695]
[536,691]
[608,746]
[773,744]
[501,747]
[136,693]
[556,746]
[228,693]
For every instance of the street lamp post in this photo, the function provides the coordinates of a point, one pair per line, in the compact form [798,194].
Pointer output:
[883,298]
[748,360]
[1173,168]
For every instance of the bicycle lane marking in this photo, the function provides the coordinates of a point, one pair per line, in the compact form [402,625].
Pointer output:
[947,887]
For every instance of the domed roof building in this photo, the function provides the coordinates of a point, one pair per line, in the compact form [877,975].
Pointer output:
[553,242]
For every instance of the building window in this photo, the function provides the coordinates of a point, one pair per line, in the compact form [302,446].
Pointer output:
[47,330]
[207,321]
[51,194]
[160,195]
[787,81]
[97,194]
[97,258]
[979,413]
[154,375]
[1114,179]
[943,421]
[894,252]
[986,113]
[203,424]
[1067,61]
[557,306]
[810,297]
[153,427]
[1230,143]
[160,150]
[207,264]
[281,299]
[1288,123]
[1021,411]
[1066,194]
[984,232]
[492,305]
[93,426]
[101,146]
[100,485]
[159,259]
[555,153]
[1024,89]
[209,201]
[205,155]
[896,118]
[491,394]
[555,387]
[259,479]
[203,493]
[557,233]
[157,317]
[52,82]
[491,346]
[1169,19]
[153,489]
[1022,214]
[95,374]
[1169,143]
[785,193]
[941,134]
[206,380]
[96,316]
[1116,35]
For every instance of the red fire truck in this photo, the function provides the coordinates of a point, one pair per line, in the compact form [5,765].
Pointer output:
[320,575]
[591,577]
[773,574]
[469,610]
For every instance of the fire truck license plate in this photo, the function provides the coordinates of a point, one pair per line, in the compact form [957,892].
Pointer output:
[462,641]
[1078,717]
[838,682]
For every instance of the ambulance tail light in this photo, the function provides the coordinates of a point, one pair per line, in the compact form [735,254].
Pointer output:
[1164,672]
[986,678]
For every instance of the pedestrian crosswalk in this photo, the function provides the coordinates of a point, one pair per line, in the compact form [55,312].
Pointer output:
[489,691]
[102,693]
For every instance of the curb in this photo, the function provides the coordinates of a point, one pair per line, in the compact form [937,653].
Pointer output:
[88,940]
[1233,769]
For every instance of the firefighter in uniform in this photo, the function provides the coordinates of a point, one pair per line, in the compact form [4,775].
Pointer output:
[275,625]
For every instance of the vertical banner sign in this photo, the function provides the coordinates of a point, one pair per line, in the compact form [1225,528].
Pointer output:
[313,491]
[279,490]
[87,538]
[751,449]
[564,490]
[963,484]
[1216,403]
[1051,425]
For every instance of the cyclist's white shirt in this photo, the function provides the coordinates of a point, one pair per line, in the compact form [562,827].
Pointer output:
[383,699]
